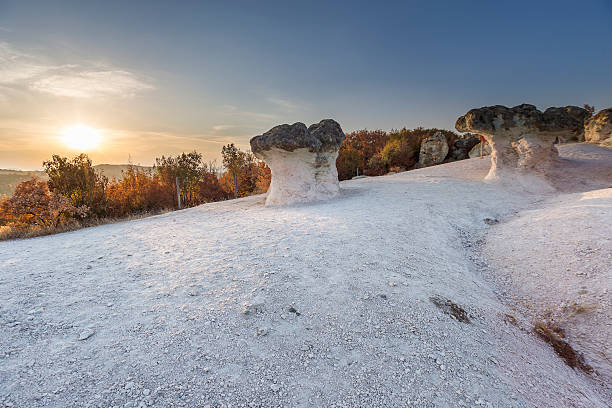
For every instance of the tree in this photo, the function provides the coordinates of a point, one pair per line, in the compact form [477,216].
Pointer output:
[356,151]
[233,160]
[590,109]
[189,169]
[78,181]
[264,177]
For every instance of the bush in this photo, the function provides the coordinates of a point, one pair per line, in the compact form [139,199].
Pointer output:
[138,191]
[356,151]
[32,204]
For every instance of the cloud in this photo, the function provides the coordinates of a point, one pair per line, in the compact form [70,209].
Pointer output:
[83,80]
[91,84]
[284,104]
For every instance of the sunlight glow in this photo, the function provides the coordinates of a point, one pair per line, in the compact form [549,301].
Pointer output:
[81,137]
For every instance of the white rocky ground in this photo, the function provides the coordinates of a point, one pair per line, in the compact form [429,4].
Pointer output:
[200,307]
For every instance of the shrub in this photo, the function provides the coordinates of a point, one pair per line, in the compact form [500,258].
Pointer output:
[356,151]
[32,204]
[138,191]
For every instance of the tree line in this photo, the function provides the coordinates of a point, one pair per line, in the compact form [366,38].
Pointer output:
[76,195]
[376,152]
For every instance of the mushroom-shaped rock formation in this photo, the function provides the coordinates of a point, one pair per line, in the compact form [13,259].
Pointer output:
[302,161]
[433,151]
[522,137]
[599,127]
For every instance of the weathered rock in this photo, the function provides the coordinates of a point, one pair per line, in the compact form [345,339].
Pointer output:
[460,150]
[302,161]
[475,151]
[599,127]
[434,149]
[522,137]
[578,115]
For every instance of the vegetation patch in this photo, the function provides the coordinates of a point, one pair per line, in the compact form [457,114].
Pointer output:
[450,308]
[554,336]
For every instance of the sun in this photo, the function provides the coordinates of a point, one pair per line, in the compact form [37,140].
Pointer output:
[81,137]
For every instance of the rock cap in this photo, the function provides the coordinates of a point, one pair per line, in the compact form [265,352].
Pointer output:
[492,119]
[325,136]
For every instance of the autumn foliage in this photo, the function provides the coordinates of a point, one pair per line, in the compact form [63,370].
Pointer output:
[33,204]
[76,195]
[375,153]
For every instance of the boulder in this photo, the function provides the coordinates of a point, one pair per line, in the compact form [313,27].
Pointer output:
[598,128]
[434,149]
[462,146]
[521,138]
[302,161]
[475,152]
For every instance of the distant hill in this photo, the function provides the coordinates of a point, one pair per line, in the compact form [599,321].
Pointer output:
[10,178]
[114,170]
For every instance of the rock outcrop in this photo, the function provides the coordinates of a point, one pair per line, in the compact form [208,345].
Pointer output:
[578,114]
[521,138]
[598,128]
[475,151]
[462,146]
[302,161]
[434,149]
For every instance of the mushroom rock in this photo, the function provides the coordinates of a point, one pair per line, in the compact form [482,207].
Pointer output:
[433,151]
[521,138]
[598,128]
[302,161]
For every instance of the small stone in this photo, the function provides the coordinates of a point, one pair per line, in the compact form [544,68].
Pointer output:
[85,334]
[275,387]
[146,392]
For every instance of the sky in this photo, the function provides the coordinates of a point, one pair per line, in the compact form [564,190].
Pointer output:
[155,78]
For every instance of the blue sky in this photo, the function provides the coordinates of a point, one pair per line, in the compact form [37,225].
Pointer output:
[165,77]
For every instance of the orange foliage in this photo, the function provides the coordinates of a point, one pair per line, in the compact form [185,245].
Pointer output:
[33,204]
[357,150]
[137,192]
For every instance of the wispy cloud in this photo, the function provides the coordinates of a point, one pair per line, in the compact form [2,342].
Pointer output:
[82,80]
[284,104]
[91,84]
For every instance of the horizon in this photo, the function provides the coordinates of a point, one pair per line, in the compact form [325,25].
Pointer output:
[139,82]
